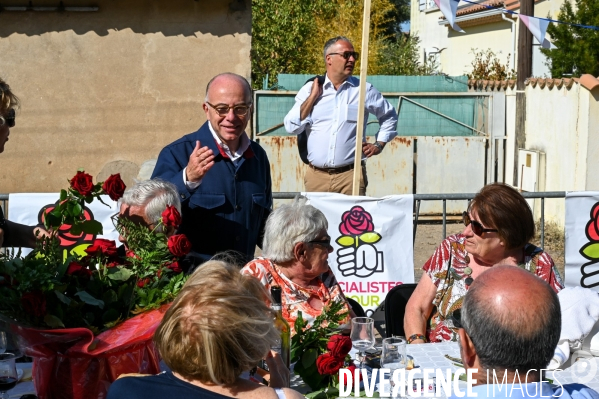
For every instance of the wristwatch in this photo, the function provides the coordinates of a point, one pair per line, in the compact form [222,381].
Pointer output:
[378,145]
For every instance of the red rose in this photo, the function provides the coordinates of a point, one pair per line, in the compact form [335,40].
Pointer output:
[351,368]
[175,267]
[110,265]
[328,364]
[83,183]
[34,303]
[102,246]
[114,187]
[143,282]
[76,269]
[179,245]
[130,254]
[171,216]
[592,229]
[355,222]
[339,345]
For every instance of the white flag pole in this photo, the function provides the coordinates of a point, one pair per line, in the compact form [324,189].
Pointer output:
[362,97]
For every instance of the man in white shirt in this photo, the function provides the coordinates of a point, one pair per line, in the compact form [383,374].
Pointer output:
[509,326]
[328,114]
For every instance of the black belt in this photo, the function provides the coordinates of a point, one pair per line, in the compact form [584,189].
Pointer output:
[334,171]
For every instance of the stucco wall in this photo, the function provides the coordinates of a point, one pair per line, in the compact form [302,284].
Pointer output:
[106,90]
[563,123]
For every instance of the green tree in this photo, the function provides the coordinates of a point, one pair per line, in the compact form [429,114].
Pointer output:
[279,32]
[577,50]
[288,35]
[401,57]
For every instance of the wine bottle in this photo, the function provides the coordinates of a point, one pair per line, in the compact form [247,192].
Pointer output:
[283,345]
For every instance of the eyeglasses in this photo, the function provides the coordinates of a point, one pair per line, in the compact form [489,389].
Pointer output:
[455,318]
[223,110]
[10,118]
[347,54]
[477,228]
[326,242]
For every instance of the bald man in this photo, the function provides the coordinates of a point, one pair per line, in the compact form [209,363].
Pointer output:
[510,324]
[223,177]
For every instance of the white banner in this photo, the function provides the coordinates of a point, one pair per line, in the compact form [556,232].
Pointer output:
[27,209]
[372,241]
[582,239]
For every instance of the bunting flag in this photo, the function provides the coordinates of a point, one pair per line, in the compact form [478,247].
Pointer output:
[448,9]
[538,28]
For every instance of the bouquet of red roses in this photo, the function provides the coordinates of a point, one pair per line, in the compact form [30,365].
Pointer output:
[54,288]
[319,351]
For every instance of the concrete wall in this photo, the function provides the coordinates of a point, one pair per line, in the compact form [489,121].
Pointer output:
[564,123]
[106,90]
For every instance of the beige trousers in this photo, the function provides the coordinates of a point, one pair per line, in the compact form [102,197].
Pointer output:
[320,181]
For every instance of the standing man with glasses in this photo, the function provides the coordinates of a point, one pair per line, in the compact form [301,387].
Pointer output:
[327,112]
[223,177]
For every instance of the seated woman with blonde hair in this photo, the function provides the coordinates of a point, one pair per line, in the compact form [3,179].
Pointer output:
[217,328]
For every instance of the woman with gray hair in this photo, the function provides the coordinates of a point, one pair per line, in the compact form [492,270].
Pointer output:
[296,249]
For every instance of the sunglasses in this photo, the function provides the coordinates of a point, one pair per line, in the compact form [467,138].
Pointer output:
[223,110]
[347,54]
[324,242]
[476,227]
[10,118]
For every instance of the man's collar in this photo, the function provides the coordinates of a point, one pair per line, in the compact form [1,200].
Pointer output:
[351,80]
[224,150]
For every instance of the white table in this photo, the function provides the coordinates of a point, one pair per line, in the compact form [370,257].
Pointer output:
[430,356]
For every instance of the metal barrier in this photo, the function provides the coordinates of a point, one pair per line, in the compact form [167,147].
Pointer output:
[418,198]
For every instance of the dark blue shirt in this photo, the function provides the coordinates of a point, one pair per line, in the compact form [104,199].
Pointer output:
[161,386]
[228,210]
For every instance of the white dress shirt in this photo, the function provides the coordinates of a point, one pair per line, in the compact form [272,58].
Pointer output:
[236,157]
[331,126]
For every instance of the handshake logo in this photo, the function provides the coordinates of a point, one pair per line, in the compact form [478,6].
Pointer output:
[358,255]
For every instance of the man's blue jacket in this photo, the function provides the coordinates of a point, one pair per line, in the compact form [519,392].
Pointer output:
[229,208]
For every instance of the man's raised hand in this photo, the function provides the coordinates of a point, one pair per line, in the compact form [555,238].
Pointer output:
[200,162]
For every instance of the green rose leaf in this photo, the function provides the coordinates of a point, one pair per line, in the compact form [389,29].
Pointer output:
[63,298]
[90,300]
[76,230]
[109,297]
[53,321]
[91,227]
[345,241]
[122,274]
[371,237]
[590,251]
[77,209]
[309,357]
[63,194]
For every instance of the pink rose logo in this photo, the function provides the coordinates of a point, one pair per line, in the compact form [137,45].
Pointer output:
[355,222]
[590,251]
[592,228]
[358,256]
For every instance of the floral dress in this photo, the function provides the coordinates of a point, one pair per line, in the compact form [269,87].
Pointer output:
[295,298]
[446,270]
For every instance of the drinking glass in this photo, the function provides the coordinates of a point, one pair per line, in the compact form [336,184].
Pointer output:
[362,335]
[394,356]
[8,374]
[3,342]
